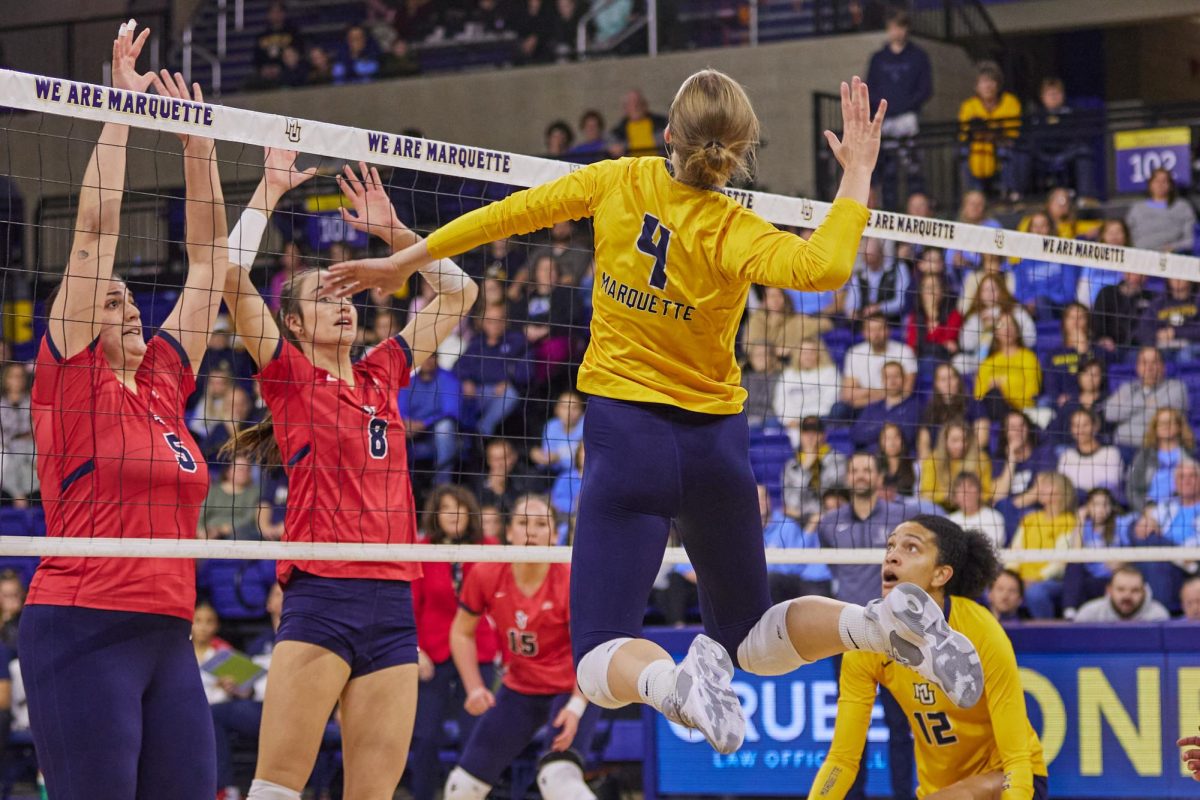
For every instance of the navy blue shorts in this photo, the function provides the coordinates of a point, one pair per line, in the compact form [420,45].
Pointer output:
[368,623]
[646,466]
[1041,787]
[508,727]
[116,706]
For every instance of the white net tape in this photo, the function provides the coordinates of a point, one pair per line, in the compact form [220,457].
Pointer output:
[81,101]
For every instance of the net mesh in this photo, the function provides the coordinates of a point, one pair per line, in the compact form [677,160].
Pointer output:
[1034,381]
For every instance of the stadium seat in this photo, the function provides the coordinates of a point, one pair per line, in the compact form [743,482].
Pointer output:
[15,522]
[768,454]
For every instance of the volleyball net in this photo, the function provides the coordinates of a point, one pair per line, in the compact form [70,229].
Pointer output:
[1034,379]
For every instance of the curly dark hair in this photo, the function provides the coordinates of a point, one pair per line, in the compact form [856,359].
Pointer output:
[969,552]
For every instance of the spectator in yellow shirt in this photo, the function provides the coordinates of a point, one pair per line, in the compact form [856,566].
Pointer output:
[957,451]
[1010,376]
[1046,529]
[989,123]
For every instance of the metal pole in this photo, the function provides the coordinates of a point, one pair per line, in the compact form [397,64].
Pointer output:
[754,23]
[581,38]
[221,23]
[239,15]
[187,54]
[155,44]
[652,27]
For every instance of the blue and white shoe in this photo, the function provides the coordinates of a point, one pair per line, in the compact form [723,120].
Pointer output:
[703,698]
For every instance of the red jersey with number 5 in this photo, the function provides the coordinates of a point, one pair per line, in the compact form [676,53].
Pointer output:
[534,629]
[343,448]
[117,463]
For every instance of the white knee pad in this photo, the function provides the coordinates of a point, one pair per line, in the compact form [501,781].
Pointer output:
[767,649]
[265,790]
[560,777]
[462,785]
[592,673]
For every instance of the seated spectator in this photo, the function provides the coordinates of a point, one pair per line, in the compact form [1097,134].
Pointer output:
[1044,287]
[640,131]
[1169,445]
[1089,395]
[1006,598]
[972,513]
[320,67]
[12,603]
[777,322]
[429,406]
[895,454]
[1010,377]
[935,322]
[1022,461]
[992,301]
[558,138]
[1189,599]
[932,261]
[494,370]
[1128,598]
[1088,463]
[974,211]
[989,124]
[236,412]
[358,59]
[1060,366]
[234,505]
[898,405]
[949,401]
[808,387]
[562,436]
[241,714]
[592,139]
[788,581]
[572,251]
[1172,322]
[207,644]
[1060,147]
[279,35]
[554,321]
[1060,205]
[1117,311]
[504,479]
[564,31]
[226,352]
[18,478]
[990,264]
[760,379]
[1172,523]
[533,22]
[814,469]
[675,592]
[1098,528]
[400,61]
[1047,528]
[1133,404]
[862,375]
[294,71]
[1163,221]
[956,451]
[1093,279]
[415,20]
[564,495]
[878,285]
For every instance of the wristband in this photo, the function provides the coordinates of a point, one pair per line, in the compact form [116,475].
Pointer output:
[445,276]
[577,705]
[246,237]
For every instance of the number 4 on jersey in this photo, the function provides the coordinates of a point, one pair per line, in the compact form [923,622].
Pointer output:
[656,250]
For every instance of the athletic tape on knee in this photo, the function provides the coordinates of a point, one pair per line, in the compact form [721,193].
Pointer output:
[562,779]
[265,790]
[462,785]
[592,673]
[768,649]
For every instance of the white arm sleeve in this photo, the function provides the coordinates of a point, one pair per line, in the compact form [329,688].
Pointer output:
[444,276]
[246,237]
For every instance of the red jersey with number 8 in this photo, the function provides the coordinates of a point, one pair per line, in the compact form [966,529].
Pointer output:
[533,629]
[117,463]
[343,448]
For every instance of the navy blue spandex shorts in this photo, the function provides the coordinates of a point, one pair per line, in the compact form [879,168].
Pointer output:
[369,623]
[116,707]
[646,465]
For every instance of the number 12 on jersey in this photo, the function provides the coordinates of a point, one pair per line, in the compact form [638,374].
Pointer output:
[656,250]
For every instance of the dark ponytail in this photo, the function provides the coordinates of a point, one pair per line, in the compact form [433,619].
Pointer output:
[969,552]
[257,442]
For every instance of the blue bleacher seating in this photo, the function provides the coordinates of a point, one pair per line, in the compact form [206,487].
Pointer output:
[15,522]
[769,452]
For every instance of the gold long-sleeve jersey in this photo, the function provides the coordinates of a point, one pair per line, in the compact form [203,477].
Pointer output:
[952,743]
[674,264]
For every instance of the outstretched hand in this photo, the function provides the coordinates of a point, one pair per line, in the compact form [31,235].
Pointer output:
[859,146]
[125,52]
[280,173]
[175,86]
[373,212]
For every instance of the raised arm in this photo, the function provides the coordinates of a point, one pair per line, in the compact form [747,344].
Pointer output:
[75,313]
[251,318]
[191,321]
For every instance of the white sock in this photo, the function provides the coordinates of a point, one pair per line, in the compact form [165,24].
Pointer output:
[860,633]
[656,682]
[265,790]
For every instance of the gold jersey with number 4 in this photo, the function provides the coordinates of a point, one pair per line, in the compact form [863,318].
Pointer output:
[952,743]
[674,264]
